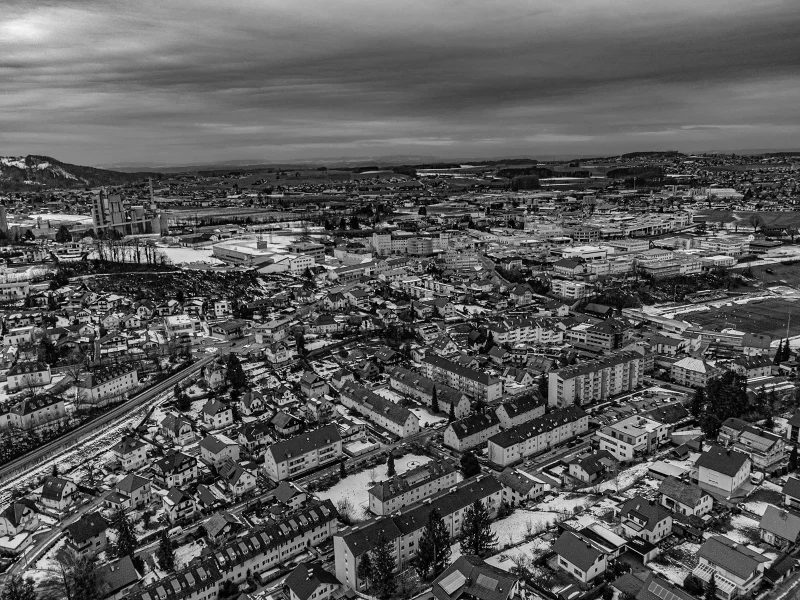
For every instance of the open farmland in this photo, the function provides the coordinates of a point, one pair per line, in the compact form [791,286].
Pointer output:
[766,316]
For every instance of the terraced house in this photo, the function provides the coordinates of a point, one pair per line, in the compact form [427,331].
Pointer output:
[411,383]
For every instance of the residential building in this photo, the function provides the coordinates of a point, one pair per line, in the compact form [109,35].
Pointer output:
[414,485]
[175,468]
[580,557]
[765,449]
[420,387]
[477,384]
[216,449]
[592,468]
[520,486]
[521,409]
[108,382]
[311,581]
[633,437]
[303,452]
[470,577]
[737,570]
[393,417]
[693,372]
[646,519]
[685,498]
[471,431]
[130,452]
[178,505]
[87,535]
[723,470]
[779,527]
[595,380]
[28,374]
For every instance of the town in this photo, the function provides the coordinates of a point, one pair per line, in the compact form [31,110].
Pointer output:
[508,380]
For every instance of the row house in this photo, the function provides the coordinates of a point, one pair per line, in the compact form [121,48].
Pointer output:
[471,431]
[542,433]
[393,417]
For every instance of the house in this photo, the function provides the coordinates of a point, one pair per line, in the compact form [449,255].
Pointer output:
[593,467]
[756,344]
[21,515]
[420,387]
[645,519]
[633,437]
[116,578]
[737,570]
[290,494]
[238,479]
[178,505]
[216,449]
[175,468]
[471,431]
[28,374]
[312,385]
[252,402]
[685,498]
[793,428]
[87,535]
[108,382]
[130,452]
[278,354]
[579,557]
[471,578]
[780,527]
[285,424]
[130,493]
[311,581]
[520,486]
[254,436]
[791,492]
[722,470]
[178,429]
[303,452]
[57,493]
[765,449]
[217,414]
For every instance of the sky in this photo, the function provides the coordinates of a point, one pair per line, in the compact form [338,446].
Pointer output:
[174,82]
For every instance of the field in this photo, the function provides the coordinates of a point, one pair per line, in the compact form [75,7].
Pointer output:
[780,272]
[767,316]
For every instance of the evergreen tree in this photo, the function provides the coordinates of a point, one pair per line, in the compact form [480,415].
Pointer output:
[166,553]
[342,470]
[433,553]
[364,571]
[176,391]
[383,566]
[779,354]
[793,460]
[698,401]
[452,414]
[342,223]
[63,235]
[354,224]
[17,588]
[235,373]
[469,464]
[434,401]
[390,468]
[477,536]
[787,351]
[711,590]
[544,386]
[126,538]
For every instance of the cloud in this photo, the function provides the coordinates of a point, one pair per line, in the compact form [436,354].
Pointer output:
[183,81]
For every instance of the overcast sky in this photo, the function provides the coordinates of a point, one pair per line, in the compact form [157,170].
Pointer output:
[179,82]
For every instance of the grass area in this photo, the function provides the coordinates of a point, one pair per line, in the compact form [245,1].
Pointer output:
[766,316]
[780,272]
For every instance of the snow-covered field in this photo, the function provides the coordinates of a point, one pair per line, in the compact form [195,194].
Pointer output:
[184,554]
[513,529]
[625,478]
[353,488]
[530,550]
[426,418]
[181,255]
[389,394]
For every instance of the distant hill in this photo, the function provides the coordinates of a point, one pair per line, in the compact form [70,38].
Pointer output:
[43,172]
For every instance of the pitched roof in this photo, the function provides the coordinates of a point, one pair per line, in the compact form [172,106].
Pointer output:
[87,527]
[579,552]
[782,523]
[736,558]
[534,427]
[680,491]
[792,487]
[305,442]
[376,403]
[471,577]
[722,460]
[649,512]
[305,579]
[468,426]
[116,576]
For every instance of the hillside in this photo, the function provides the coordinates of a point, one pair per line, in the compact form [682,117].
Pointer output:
[37,172]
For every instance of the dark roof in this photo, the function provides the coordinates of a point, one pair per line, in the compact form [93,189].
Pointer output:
[306,578]
[468,426]
[87,527]
[416,477]
[116,576]
[305,442]
[518,480]
[15,511]
[528,429]
[680,491]
[792,487]
[577,551]
[173,461]
[650,512]
[722,460]
[53,488]
[471,577]
[736,558]
[127,444]
[784,524]
[522,404]
[658,588]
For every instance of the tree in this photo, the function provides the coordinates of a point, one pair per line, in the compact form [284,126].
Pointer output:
[433,553]
[693,585]
[354,223]
[711,426]
[793,460]
[17,588]
[779,354]
[711,590]
[63,235]
[544,387]
[787,351]
[342,470]
[166,552]
[452,414]
[235,373]
[126,538]
[434,401]
[383,566]
[469,464]
[698,401]
[177,392]
[423,211]
[477,536]
[342,223]
[364,571]
[755,222]
[390,468]
[75,576]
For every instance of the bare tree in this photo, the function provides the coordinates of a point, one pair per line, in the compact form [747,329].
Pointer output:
[755,222]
